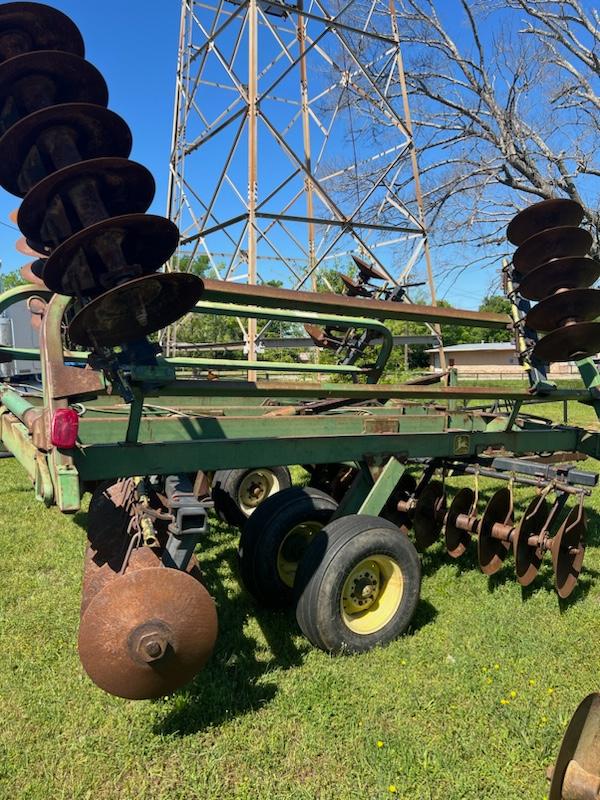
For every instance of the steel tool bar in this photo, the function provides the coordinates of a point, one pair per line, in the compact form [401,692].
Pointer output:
[271,297]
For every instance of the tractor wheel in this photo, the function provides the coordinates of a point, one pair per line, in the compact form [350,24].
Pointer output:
[357,585]
[274,539]
[237,493]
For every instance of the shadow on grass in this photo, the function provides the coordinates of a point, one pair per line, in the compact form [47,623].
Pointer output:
[233,684]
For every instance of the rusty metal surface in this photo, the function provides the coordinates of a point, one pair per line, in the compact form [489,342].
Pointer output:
[42,28]
[97,131]
[568,550]
[458,539]
[33,81]
[576,774]
[33,272]
[147,633]
[429,515]
[552,213]
[135,308]
[491,552]
[368,272]
[571,305]
[551,243]
[561,273]
[121,186]
[272,297]
[528,554]
[571,343]
[97,257]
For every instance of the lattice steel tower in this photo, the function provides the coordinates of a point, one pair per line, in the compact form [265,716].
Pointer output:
[292,142]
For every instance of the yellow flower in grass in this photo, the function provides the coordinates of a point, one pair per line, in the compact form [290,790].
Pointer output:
[379,743]
[496,666]
[550,690]
[489,681]
[531,681]
[392,789]
[504,702]
[513,694]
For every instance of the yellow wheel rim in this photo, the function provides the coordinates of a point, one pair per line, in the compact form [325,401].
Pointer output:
[372,594]
[292,549]
[255,487]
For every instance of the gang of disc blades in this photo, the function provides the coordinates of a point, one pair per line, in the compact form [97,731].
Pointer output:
[568,550]
[33,272]
[580,305]
[98,132]
[426,524]
[528,558]
[552,243]
[73,79]
[571,343]
[353,289]
[124,187]
[147,605]
[491,552]
[368,271]
[540,216]
[317,334]
[581,743]
[44,28]
[561,273]
[81,265]
[135,309]
[457,540]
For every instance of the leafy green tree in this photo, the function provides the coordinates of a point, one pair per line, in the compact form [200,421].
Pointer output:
[9,280]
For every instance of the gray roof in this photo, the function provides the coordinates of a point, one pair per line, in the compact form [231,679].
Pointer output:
[461,348]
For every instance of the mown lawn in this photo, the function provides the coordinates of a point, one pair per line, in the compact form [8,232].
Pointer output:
[471,704]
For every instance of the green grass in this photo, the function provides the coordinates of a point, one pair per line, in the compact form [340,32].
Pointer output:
[273,718]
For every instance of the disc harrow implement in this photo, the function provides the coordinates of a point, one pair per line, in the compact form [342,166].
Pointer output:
[495,530]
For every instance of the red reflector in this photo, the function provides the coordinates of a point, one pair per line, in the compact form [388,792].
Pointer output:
[65,426]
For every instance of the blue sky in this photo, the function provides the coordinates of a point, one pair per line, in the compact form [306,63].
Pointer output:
[134,44]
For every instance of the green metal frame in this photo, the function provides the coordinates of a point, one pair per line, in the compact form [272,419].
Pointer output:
[191,425]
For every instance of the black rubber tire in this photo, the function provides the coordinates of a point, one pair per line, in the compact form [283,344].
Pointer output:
[327,562]
[225,489]
[264,533]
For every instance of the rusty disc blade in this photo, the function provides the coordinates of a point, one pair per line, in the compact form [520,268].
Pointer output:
[426,519]
[39,27]
[403,490]
[457,540]
[135,309]
[577,305]
[147,633]
[48,213]
[367,271]
[562,273]
[571,343]
[551,243]
[73,80]
[28,248]
[568,550]
[528,558]
[353,289]
[33,272]
[492,552]
[581,744]
[317,334]
[98,132]
[553,213]
[101,255]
